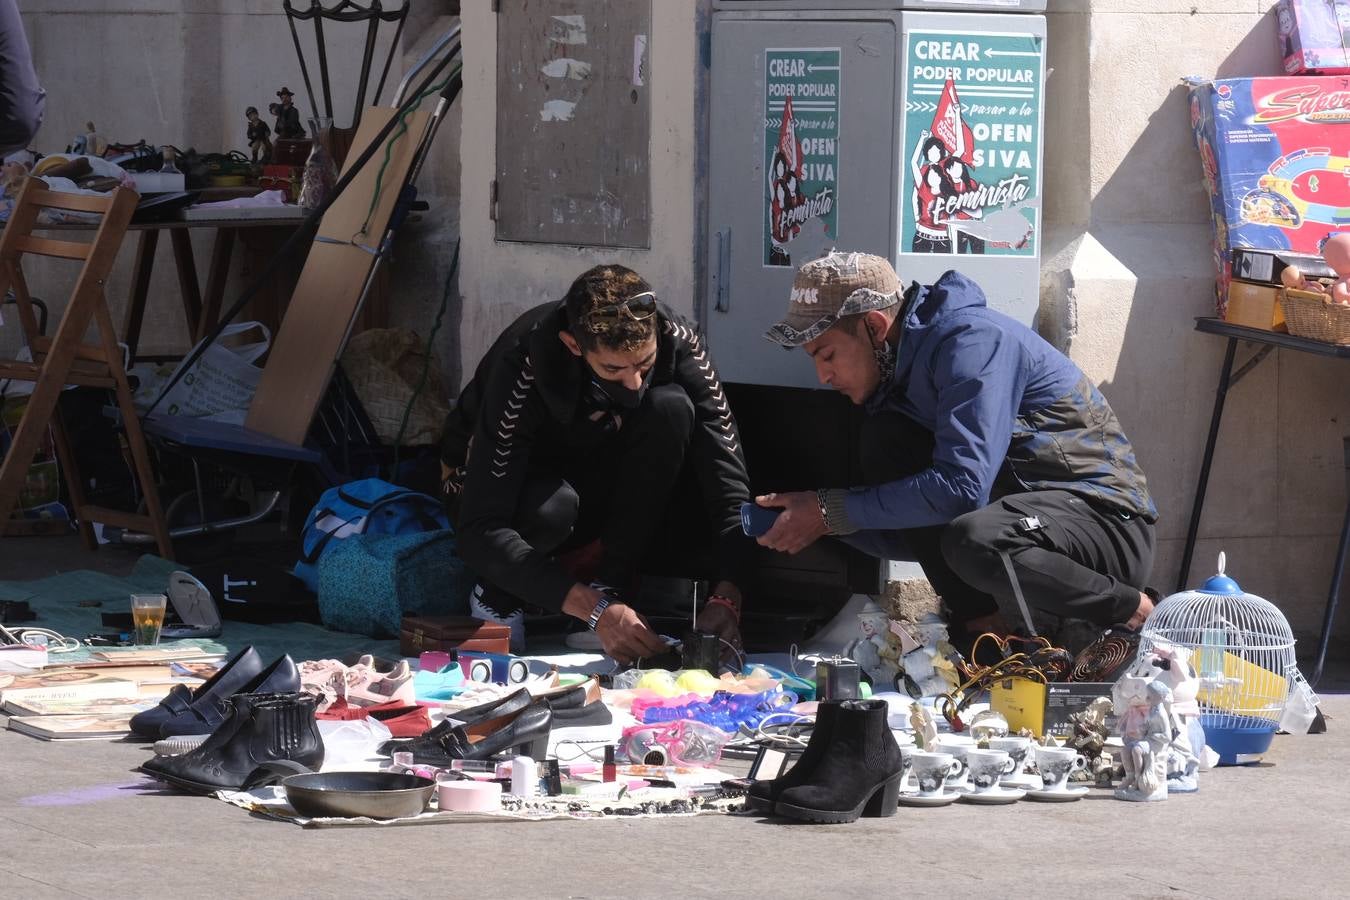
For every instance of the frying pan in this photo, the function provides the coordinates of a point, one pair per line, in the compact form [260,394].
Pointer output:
[375,795]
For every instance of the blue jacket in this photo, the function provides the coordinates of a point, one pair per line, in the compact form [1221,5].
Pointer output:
[1010,414]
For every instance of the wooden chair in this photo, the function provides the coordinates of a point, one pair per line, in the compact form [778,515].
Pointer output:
[66,358]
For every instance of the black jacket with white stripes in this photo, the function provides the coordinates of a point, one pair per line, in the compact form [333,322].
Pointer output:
[520,410]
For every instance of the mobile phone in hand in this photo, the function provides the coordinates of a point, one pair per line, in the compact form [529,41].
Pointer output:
[757,520]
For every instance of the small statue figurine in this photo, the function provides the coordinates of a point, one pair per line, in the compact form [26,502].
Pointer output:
[288,117]
[1089,738]
[925,729]
[1187,751]
[927,664]
[877,652]
[1146,733]
[259,137]
[89,143]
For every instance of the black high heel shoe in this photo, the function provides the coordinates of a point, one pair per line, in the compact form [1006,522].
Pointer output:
[858,774]
[526,731]
[764,794]
[426,743]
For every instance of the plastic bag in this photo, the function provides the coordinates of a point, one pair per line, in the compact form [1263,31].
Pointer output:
[352,744]
[220,385]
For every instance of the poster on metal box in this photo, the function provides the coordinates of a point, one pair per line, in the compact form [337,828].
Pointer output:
[801,147]
[970,160]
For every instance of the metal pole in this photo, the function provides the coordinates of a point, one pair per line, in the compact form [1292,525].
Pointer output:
[1202,483]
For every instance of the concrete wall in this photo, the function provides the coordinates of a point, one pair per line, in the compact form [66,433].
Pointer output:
[1128,266]
[502,280]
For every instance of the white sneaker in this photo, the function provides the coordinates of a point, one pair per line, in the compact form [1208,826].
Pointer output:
[515,621]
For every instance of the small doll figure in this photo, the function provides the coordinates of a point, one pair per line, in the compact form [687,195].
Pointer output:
[1337,254]
[259,137]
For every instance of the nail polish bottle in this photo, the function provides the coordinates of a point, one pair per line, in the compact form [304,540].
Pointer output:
[610,770]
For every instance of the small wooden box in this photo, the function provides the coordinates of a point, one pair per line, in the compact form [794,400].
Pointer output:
[1255,305]
[419,633]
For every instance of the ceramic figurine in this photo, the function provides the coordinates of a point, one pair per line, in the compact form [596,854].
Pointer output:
[925,729]
[1188,756]
[1089,738]
[1145,722]
[877,651]
[259,137]
[288,117]
[928,667]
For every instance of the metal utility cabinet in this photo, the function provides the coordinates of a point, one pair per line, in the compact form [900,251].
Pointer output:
[895,129]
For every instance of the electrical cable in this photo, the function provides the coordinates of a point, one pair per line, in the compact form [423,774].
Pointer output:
[1044,663]
[21,636]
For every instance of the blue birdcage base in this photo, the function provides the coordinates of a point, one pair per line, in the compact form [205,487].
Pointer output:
[1236,738]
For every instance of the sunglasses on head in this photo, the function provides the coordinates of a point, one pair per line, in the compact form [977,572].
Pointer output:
[639,308]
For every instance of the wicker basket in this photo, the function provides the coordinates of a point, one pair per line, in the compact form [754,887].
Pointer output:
[1313,315]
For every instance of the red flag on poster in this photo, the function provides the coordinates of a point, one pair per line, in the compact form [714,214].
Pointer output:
[788,145]
[785,179]
[949,127]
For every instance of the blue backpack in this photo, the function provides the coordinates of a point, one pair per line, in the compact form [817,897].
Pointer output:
[370,506]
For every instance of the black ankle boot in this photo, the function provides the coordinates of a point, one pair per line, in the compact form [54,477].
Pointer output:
[261,728]
[858,772]
[764,792]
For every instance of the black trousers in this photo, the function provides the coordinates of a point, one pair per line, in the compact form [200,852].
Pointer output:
[634,493]
[1071,559]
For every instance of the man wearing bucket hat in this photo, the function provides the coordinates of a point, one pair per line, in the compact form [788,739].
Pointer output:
[986,454]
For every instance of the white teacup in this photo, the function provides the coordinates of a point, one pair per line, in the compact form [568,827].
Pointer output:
[987,768]
[1016,747]
[1056,763]
[907,767]
[930,771]
[958,745]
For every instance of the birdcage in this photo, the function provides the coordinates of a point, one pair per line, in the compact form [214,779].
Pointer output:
[1243,652]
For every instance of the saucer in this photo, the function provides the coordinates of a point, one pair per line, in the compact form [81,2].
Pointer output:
[994,796]
[915,799]
[1069,793]
[1025,781]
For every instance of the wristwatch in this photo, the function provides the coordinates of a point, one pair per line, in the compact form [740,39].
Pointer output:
[600,606]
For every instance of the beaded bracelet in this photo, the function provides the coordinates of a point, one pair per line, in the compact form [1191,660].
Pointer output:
[719,600]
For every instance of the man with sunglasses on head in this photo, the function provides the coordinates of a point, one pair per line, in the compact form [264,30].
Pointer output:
[986,454]
[597,427]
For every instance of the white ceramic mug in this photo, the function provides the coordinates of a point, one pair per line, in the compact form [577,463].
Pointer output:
[987,768]
[1056,763]
[958,745]
[931,771]
[1017,748]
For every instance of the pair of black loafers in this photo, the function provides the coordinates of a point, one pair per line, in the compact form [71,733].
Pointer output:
[201,710]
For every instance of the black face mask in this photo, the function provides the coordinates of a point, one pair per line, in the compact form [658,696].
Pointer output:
[607,395]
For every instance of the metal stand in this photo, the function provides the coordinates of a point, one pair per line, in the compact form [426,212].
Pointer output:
[1227,378]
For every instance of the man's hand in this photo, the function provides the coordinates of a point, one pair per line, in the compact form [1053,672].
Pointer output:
[798,526]
[716,618]
[626,636]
